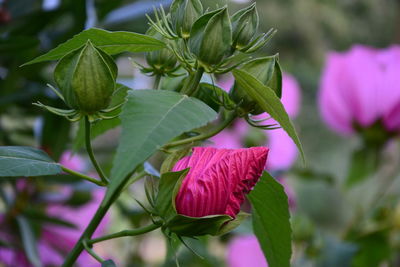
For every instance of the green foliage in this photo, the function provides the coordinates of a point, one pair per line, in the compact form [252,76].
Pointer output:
[108,263]
[110,42]
[29,241]
[26,161]
[149,120]
[271,220]
[267,99]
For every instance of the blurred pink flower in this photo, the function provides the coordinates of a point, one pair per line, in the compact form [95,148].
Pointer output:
[245,251]
[218,180]
[56,240]
[361,86]
[283,151]
[73,162]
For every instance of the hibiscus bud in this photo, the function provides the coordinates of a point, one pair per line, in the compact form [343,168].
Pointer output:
[86,78]
[211,37]
[183,14]
[244,26]
[162,61]
[268,72]
[218,180]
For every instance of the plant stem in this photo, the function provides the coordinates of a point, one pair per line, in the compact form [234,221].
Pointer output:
[157,81]
[91,252]
[83,176]
[90,151]
[192,82]
[94,223]
[124,233]
[204,136]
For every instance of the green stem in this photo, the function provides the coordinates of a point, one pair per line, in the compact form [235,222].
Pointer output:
[204,136]
[157,81]
[90,151]
[91,252]
[192,82]
[83,176]
[124,233]
[94,223]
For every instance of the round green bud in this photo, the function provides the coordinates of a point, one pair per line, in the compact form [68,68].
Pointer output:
[244,26]
[183,14]
[211,37]
[268,72]
[161,61]
[86,78]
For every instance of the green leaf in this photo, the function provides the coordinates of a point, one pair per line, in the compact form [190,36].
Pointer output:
[108,263]
[102,126]
[110,42]
[28,241]
[271,221]
[26,161]
[267,99]
[149,120]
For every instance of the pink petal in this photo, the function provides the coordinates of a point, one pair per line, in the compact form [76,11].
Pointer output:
[218,180]
[333,108]
[291,95]
[392,119]
[282,150]
[226,139]
[73,162]
[245,251]
[361,85]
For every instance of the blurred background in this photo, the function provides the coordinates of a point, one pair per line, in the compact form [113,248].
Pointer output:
[334,223]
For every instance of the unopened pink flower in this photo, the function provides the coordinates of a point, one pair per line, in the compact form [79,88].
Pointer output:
[361,86]
[245,251]
[218,180]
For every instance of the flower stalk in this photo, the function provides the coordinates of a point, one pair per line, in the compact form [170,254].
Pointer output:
[89,149]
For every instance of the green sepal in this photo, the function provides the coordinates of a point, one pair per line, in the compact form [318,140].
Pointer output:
[86,78]
[197,226]
[244,26]
[168,188]
[173,158]
[268,72]
[232,224]
[184,13]
[211,37]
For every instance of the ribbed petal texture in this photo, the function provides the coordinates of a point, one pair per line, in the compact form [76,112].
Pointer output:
[218,180]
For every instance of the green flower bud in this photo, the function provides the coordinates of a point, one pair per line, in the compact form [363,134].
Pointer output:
[161,61]
[86,78]
[244,26]
[268,72]
[183,14]
[211,37]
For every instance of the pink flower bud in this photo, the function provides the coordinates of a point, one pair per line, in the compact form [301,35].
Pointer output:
[218,180]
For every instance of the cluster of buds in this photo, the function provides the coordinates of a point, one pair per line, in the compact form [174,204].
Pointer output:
[86,78]
[213,40]
[216,43]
